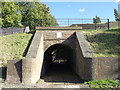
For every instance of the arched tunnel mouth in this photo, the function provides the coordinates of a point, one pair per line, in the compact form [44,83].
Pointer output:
[58,64]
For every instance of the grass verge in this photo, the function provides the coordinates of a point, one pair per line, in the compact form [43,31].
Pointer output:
[13,46]
[104,43]
[103,84]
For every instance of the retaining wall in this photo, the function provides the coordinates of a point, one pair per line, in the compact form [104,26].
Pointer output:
[106,68]
[14,71]
[94,68]
[32,65]
[97,26]
[83,51]
[84,64]
[114,24]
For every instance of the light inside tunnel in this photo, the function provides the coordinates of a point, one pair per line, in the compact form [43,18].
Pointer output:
[59,56]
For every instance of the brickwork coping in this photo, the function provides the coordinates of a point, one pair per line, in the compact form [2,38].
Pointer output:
[58,28]
[85,48]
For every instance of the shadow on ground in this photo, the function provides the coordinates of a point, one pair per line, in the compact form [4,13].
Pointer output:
[61,74]
[113,30]
[105,42]
[28,45]
[3,74]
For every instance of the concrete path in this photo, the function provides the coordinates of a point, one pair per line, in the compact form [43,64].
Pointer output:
[61,73]
[57,77]
[47,85]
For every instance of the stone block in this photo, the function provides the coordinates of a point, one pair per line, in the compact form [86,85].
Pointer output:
[14,71]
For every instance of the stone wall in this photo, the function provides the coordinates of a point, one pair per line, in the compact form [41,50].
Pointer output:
[114,24]
[50,38]
[64,28]
[106,68]
[94,68]
[84,64]
[14,71]
[68,38]
[83,51]
[97,26]
[90,26]
[32,64]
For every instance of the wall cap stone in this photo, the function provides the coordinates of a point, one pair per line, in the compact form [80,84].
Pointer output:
[34,46]
[85,48]
[58,28]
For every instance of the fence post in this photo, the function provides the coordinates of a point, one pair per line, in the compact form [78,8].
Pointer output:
[108,23]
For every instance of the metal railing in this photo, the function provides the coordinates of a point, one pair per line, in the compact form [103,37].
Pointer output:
[76,22]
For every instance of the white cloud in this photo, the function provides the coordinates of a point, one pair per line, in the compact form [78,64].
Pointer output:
[118,1]
[81,10]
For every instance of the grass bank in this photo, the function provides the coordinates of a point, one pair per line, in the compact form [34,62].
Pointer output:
[104,43]
[13,46]
[103,84]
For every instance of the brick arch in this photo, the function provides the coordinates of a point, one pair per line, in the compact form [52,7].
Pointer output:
[46,46]
[48,57]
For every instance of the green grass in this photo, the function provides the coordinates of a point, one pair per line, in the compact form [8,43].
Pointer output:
[13,46]
[104,43]
[103,84]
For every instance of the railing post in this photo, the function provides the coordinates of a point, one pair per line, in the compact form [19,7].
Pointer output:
[108,24]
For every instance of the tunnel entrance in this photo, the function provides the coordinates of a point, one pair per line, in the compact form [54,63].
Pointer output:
[58,64]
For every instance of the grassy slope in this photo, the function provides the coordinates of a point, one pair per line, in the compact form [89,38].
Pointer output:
[13,46]
[103,42]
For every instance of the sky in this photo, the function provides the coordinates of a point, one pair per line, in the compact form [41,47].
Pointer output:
[79,0]
[83,10]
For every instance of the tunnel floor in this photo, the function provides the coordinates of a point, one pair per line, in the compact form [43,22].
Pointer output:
[61,74]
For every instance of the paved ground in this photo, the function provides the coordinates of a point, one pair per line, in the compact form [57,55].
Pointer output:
[61,73]
[59,78]
[44,85]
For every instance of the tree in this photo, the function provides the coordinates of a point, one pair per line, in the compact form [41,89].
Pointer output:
[96,19]
[36,14]
[10,15]
[117,15]
[15,14]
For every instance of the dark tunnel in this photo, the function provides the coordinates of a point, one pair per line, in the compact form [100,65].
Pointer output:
[58,64]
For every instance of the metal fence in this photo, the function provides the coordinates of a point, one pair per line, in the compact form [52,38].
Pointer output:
[77,22]
[61,22]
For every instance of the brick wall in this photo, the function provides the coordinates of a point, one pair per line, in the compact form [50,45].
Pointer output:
[50,37]
[97,26]
[106,68]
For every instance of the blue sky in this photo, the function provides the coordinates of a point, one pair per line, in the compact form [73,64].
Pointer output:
[82,9]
